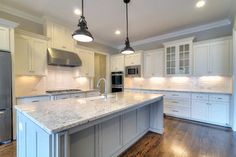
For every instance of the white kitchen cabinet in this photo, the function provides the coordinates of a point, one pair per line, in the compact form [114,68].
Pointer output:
[87,67]
[61,36]
[213,110]
[30,55]
[212,57]
[117,63]
[4,38]
[199,110]
[154,63]
[134,59]
[178,57]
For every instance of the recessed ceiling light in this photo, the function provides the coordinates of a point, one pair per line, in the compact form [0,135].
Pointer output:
[77,12]
[201,3]
[117,32]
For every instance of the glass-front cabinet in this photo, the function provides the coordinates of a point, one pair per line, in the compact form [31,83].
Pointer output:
[178,57]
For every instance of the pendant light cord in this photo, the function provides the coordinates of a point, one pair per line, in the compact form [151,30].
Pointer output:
[127,24]
[82,8]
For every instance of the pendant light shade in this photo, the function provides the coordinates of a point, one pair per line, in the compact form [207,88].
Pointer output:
[127,49]
[82,34]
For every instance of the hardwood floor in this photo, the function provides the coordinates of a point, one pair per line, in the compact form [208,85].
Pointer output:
[181,139]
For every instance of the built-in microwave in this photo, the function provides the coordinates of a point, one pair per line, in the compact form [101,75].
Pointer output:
[133,71]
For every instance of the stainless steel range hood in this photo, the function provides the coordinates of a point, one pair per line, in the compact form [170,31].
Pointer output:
[63,58]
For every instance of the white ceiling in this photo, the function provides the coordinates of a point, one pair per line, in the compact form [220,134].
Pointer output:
[148,18]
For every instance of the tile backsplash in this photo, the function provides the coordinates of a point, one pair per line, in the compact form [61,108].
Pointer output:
[56,78]
[216,83]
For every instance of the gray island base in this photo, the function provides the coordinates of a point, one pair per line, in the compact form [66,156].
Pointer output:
[88,127]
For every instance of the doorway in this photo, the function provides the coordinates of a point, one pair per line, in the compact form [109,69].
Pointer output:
[99,70]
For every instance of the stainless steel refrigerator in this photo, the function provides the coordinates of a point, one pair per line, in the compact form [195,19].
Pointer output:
[5,97]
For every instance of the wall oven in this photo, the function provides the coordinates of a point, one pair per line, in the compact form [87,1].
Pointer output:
[117,81]
[133,71]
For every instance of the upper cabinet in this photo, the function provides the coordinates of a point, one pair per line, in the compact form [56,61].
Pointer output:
[134,59]
[4,38]
[213,57]
[154,63]
[30,55]
[117,63]
[178,57]
[87,67]
[61,37]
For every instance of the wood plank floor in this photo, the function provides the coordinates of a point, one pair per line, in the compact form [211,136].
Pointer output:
[181,139]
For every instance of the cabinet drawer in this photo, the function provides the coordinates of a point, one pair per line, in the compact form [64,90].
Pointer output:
[92,94]
[176,102]
[200,97]
[177,111]
[178,95]
[59,97]
[78,95]
[219,98]
[32,100]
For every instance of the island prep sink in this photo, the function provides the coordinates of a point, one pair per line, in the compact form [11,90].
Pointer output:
[101,97]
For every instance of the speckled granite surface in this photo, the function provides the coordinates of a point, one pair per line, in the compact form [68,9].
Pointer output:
[59,115]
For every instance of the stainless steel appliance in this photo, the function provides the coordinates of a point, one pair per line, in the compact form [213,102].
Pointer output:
[133,71]
[62,91]
[5,97]
[117,82]
[63,58]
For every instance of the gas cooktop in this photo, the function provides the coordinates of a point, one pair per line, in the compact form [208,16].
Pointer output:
[63,91]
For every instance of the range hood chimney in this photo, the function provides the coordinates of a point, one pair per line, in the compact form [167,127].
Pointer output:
[63,58]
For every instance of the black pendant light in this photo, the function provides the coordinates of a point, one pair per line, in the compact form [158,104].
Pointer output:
[127,49]
[82,34]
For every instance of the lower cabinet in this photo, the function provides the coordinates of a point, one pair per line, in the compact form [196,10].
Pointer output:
[199,110]
[112,136]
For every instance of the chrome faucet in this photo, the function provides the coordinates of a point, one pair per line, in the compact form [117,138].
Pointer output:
[99,83]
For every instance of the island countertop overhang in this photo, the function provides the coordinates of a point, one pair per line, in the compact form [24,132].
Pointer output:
[60,115]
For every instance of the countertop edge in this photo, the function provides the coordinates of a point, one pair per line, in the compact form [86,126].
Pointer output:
[54,131]
[187,91]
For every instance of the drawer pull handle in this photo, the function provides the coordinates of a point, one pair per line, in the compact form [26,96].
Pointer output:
[219,98]
[35,101]
[175,95]
[175,102]
[175,111]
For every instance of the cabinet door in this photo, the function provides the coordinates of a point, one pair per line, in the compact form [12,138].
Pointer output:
[117,63]
[110,137]
[22,55]
[201,57]
[154,63]
[184,56]
[219,113]
[69,41]
[143,119]
[199,110]
[58,37]
[129,126]
[87,68]
[4,38]
[171,65]
[219,58]
[39,57]
[133,59]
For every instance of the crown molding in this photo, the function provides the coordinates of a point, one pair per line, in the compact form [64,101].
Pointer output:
[21,14]
[8,23]
[205,27]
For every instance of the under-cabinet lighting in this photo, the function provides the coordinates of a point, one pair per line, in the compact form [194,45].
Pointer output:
[210,78]
[157,79]
[179,79]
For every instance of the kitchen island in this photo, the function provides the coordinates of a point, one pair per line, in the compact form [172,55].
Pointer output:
[87,127]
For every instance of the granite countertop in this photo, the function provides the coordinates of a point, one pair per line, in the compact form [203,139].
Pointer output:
[185,90]
[43,93]
[59,115]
